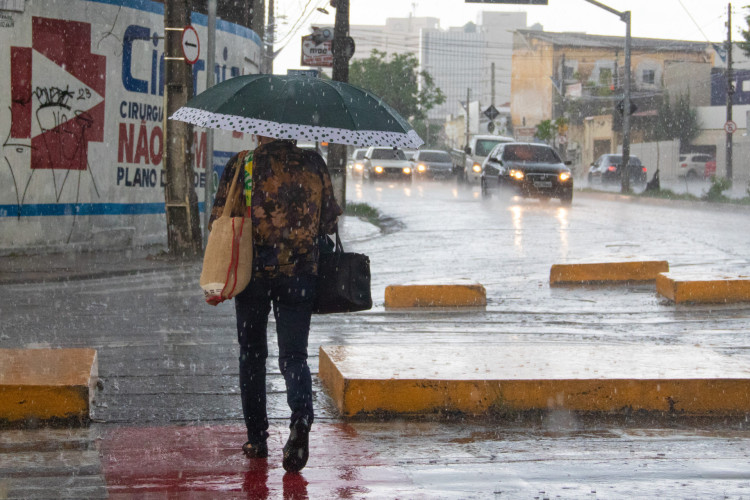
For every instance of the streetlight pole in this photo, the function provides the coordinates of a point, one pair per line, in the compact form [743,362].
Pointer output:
[625,173]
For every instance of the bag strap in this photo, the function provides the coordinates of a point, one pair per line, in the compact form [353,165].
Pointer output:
[339,246]
[232,194]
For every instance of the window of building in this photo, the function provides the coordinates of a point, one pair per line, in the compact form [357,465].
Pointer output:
[648,76]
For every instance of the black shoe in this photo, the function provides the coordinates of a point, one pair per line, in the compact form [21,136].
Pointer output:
[296,449]
[258,450]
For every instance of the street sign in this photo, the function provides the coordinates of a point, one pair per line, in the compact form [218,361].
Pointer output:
[348,47]
[491,112]
[730,127]
[317,48]
[191,46]
[515,2]
[316,54]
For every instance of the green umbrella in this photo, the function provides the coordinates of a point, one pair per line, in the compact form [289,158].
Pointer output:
[299,107]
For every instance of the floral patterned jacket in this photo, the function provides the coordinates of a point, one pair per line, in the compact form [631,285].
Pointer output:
[292,205]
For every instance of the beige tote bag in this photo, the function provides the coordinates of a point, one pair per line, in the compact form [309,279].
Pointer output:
[228,260]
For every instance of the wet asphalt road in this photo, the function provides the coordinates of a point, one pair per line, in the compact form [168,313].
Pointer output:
[166,359]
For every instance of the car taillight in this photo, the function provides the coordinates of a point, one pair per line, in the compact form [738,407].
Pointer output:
[611,168]
[683,165]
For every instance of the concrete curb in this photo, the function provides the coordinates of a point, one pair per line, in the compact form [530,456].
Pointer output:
[607,272]
[450,295]
[662,202]
[481,379]
[47,385]
[705,289]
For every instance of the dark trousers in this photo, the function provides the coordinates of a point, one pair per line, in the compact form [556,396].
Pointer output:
[292,299]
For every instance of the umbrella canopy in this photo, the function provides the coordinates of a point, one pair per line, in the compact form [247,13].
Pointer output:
[299,107]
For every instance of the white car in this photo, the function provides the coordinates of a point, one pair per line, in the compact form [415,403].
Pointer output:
[386,163]
[356,165]
[693,166]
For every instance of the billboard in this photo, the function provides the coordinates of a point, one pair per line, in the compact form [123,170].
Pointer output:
[317,48]
[81,89]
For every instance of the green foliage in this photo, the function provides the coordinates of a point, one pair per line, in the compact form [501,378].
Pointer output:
[745,46]
[396,80]
[363,211]
[668,195]
[545,130]
[676,121]
[716,191]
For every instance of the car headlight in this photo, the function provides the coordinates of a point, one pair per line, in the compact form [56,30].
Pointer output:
[407,170]
[358,166]
[421,167]
[564,176]
[476,167]
[516,174]
[378,169]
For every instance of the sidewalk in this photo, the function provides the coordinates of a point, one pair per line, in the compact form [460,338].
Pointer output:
[51,267]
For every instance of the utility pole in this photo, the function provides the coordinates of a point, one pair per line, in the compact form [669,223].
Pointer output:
[181,202]
[270,33]
[625,176]
[466,128]
[492,87]
[258,25]
[730,91]
[337,152]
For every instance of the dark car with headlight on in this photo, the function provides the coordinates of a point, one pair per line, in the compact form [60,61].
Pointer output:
[432,163]
[386,163]
[529,169]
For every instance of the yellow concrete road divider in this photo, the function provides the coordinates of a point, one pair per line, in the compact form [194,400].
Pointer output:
[447,295]
[47,385]
[607,272]
[478,379]
[703,287]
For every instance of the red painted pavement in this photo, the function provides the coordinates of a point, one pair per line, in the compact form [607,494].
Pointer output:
[207,462]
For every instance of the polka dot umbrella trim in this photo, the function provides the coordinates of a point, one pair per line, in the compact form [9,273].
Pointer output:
[299,107]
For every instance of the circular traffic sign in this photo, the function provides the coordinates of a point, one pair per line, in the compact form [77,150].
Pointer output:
[730,127]
[191,46]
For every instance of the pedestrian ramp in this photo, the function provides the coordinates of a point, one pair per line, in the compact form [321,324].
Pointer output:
[607,272]
[447,294]
[481,379]
[47,385]
[703,287]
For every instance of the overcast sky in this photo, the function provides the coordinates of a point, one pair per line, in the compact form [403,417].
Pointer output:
[701,20]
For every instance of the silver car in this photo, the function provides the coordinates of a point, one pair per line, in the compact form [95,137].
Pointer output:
[386,163]
[432,164]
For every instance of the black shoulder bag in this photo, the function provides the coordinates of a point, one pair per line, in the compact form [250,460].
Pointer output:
[343,279]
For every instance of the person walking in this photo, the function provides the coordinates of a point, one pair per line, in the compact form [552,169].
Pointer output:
[290,198]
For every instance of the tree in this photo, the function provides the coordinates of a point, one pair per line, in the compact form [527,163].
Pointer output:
[676,120]
[745,46]
[545,130]
[396,80]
